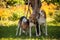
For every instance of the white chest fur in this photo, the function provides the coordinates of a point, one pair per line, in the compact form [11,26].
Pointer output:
[42,18]
[32,24]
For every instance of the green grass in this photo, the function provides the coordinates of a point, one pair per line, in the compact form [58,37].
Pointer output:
[8,33]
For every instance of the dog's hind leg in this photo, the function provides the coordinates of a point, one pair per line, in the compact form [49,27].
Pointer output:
[39,30]
[20,32]
[46,29]
[30,30]
[17,29]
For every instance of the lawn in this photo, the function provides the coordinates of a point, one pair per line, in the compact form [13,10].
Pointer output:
[8,33]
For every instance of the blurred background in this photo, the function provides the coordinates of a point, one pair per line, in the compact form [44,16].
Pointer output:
[12,10]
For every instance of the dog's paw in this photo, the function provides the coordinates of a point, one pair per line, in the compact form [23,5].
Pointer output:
[39,34]
[46,34]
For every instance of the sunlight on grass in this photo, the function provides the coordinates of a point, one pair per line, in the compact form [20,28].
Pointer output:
[8,23]
[24,39]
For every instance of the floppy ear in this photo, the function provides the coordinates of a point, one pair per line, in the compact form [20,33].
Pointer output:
[44,13]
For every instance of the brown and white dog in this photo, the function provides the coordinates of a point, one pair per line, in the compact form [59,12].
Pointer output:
[42,21]
[23,25]
[34,22]
[35,19]
[38,19]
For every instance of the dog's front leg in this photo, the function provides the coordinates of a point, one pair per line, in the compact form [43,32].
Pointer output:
[20,31]
[39,30]
[30,29]
[36,31]
[38,34]
[17,30]
[46,29]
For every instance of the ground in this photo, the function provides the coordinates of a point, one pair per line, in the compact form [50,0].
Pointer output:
[8,33]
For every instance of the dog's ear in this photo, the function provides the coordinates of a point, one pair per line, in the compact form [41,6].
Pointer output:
[44,13]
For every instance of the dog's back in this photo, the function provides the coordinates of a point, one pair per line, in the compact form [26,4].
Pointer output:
[23,22]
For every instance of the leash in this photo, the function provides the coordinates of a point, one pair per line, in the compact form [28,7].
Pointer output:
[28,9]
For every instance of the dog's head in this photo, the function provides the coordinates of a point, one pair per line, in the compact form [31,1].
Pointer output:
[42,13]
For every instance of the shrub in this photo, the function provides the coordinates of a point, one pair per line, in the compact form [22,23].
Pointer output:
[16,15]
[50,14]
[57,16]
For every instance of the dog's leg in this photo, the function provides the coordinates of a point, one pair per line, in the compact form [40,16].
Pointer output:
[30,29]
[26,32]
[20,31]
[39,30]
[17,30]
[36,32]
[46,29]
[43,28]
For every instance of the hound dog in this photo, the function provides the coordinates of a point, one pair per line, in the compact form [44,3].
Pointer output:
[38,19]
[42,21]
[23,25]
[33,22]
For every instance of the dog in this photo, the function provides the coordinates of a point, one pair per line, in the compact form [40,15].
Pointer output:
[33,22]
[42,21]
[39,19]
[23,25]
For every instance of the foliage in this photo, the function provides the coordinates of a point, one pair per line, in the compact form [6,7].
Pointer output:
[50,14]
[11,2]
[48,8]
[19,1]
[14,16]
[5,13]
[7,3]
[18,11]
[53,1]
[57,16]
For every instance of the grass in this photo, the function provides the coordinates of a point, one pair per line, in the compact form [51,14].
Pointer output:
[8,33]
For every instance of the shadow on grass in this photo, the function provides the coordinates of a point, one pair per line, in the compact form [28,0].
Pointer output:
[9,32]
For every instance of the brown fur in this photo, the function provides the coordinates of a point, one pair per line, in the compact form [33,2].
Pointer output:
[32,18]
[44,13]
[24,25]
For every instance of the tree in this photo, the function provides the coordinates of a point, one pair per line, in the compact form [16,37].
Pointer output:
[6,3]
